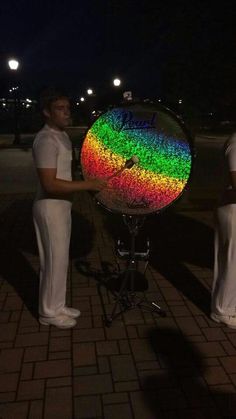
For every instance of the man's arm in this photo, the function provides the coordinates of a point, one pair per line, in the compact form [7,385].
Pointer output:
[54,186]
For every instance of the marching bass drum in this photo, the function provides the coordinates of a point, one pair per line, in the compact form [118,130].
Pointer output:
[157,143]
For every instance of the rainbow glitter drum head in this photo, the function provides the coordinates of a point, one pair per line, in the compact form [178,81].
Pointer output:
[145,155]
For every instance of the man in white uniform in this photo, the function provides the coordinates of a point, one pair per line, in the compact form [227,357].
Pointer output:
[224,284]
[52,153]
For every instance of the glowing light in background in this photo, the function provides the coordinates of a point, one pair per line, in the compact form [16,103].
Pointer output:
[13,64]
[117,82]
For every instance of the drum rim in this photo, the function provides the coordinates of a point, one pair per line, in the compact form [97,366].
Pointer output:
[187,133]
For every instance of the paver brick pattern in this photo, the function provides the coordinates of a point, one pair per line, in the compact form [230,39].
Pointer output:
[141,367]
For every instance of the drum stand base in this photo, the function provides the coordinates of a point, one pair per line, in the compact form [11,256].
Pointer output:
[126,298]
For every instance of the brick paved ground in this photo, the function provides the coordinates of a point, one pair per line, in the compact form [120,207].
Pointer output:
[144,366]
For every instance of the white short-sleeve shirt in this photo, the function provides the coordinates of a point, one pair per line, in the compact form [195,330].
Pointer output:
[52,149]
[230,160]
[230,153]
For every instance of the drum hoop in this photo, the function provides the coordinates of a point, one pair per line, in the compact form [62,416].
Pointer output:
[190,141]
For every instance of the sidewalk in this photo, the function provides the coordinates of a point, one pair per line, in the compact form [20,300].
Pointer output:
[144,366]
[7,141]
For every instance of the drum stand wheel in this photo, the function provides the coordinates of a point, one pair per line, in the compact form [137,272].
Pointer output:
[126,297]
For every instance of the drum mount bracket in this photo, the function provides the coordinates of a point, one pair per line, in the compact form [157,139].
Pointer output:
[126,296]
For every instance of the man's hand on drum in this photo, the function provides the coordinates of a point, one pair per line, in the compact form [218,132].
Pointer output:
[96,184]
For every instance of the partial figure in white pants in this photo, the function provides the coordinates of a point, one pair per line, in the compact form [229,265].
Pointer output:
[52,154]
[223,304]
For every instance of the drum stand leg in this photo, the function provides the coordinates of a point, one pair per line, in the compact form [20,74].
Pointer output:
[127,299]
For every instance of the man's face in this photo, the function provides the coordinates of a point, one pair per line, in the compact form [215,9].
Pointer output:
[58,116]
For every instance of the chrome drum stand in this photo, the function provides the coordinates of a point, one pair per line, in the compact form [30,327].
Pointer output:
[126,296]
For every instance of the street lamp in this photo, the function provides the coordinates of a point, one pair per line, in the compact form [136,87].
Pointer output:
[13,65]
[117,82]
[116,93]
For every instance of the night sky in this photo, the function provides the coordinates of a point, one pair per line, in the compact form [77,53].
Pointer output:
[167,49]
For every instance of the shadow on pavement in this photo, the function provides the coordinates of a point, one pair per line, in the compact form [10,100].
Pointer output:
[82,236]
[17,271]
[175,240]
[16,239]
[180,382]
[19,253]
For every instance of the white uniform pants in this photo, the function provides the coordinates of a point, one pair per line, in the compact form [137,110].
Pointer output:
[52,221]
[224,284]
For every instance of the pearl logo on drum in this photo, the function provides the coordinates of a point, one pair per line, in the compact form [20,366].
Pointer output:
[129,123]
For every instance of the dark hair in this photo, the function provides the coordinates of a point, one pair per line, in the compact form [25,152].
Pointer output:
[50,95]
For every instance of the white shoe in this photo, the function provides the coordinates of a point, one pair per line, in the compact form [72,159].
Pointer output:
[230,321]
[70,312]
[61,321]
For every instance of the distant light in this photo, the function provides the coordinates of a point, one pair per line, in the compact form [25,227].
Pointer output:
[28,100]
[77,103]
[159,100]
[14,88]
[4,104]
[116,82]
[180,101]
[90,91]
[82,99]
[93,112]
[27,105]
[127,95]
[13,64]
